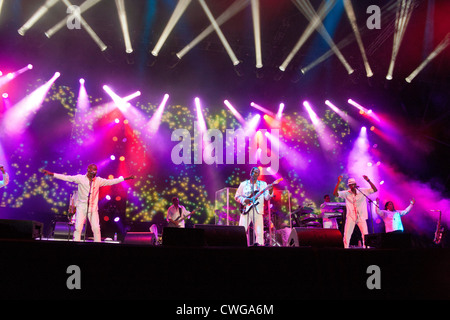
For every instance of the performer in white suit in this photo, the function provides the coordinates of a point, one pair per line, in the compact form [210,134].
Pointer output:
[87,203]
[246,190]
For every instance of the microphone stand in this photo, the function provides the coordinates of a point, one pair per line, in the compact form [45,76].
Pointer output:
[370,201]
[87,212]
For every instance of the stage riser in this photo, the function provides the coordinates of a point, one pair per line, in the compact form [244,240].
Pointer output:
[38,269]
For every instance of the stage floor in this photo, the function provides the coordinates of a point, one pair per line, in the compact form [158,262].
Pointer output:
[43,269]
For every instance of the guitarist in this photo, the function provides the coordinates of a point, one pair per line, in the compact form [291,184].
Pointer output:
[176,214]
[246,190]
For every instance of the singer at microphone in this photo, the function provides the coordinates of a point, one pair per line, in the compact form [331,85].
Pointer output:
[356,207]
[88,193]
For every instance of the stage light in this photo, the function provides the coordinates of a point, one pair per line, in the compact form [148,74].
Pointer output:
[342,114]
[312,115]
[176,15]
[280,111]
[116,219]
[234,8]
[5,95]
[73,15]
[200,119]
[404,11]
[88,29]
[234,112]
[132,96]
[315,19]
[30,66]
[222,38]
[36,16]
[10,75]
[257,32]
[20,115]
[252,124]
[155,121]
[116,120]
[81,81]
[352,17]
[119,102]
[441,46]
[113,157]
[122,158]
[120,4]
[265,110]
[360,161]
[364,111]
[108,197]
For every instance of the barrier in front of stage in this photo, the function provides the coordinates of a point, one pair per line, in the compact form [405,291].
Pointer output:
[315,237]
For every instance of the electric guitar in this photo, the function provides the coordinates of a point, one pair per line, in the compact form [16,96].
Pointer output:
[245,209]
[176,223]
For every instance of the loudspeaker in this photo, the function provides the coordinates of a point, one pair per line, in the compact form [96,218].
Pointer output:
[231,236]
[189,237]
[20,229]
[64,230]
[315,237]
[388,240]
[146,238]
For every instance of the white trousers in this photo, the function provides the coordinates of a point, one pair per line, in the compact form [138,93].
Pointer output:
[258,226]
[80,219]
[350,226]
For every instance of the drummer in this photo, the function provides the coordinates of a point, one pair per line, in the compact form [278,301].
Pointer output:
[327,222]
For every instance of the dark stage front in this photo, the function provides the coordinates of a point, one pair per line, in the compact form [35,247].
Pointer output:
[44,269]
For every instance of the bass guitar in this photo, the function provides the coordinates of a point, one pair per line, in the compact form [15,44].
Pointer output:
[176,223]
[245,209]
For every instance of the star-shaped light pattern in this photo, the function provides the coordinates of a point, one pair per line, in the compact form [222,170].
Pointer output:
[94,135]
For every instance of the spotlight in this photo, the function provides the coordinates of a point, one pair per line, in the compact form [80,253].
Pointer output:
[442,45]
[113,157]
[176,15]
[5,95]
[120,4]
[36,16]
[81,81]
[404,11]
[30,66]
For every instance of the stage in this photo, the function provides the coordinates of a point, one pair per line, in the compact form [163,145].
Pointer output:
[44,269]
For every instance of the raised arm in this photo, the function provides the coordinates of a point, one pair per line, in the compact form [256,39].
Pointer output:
[371,184]
[335,192]
[408,209]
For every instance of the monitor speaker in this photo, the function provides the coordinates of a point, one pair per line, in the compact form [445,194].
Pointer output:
[315,237]
[20,229]
[223,236]
[388,240]
[141,238]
